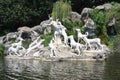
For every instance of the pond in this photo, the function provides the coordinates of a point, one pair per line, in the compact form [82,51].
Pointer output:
[67,70]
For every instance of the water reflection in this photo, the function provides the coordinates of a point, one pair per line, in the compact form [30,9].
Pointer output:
[36,70]
[112,68]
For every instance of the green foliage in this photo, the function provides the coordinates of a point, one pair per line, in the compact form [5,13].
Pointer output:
[71,26]
[26,43]
[115,13]
[116,44]
[114,3]
[1,49]
[15,13]
[4,32]
[47,39]
[99,17]
[61,10]
[110,44]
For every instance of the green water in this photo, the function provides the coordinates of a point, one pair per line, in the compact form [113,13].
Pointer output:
[112,68]
[66,70]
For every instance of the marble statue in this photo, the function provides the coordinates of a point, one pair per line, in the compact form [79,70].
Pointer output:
[38,45]
[34,42]
[89,41]
[52,48]
[15,47]
[80,35]
[60,30]
[60,42]
[75,45]
[12,51]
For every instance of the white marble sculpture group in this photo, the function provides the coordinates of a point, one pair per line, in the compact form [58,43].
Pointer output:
[17,49]
[60,30]
[60,37]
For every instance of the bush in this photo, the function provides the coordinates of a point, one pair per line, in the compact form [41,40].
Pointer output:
[71,26]
[115,13]
[61,10]
[16,13]
[47,39]
[116,44]
[1,49]
[99,17]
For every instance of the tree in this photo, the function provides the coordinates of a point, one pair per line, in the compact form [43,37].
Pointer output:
[16,13]
[61,10]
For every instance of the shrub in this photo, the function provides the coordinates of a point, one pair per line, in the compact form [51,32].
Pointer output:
[115,13]
[16,13]
[47,39]
[99,17]
[61,10]
[116,44]
[1,49]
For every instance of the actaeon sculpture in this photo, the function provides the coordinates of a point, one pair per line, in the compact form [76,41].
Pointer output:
[61,45]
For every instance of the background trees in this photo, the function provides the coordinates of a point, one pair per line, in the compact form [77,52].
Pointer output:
[16,13]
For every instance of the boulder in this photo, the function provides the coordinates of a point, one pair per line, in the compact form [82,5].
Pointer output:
[24,29]
[43,28]
[112,22]
[105,48]
[27,32]
[100,7]
[106,6]
[111,27]
[1,40]
[90,27]
[75,17]
[38,29]
[85,13]
[9,36]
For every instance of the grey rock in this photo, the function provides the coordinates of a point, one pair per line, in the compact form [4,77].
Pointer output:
[43,28]
[90,27]
[9,36]
[38,29]
[112,22]
[100,7]
[106,6]
[47,30]
[24,29]
[105,48]
[28,32]
[75,17]
[85,13]
[1,39]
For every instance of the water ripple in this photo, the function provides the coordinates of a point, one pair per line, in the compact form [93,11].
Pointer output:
[36,70]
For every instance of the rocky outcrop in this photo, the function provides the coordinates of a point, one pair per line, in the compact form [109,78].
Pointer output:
[1,40]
